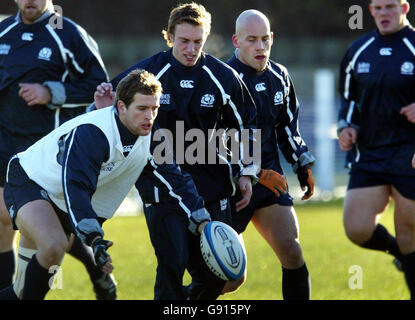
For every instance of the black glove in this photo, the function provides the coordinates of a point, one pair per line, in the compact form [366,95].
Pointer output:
[306,180]
[99,247]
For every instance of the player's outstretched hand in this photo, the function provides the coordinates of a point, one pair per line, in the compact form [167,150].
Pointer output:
[273,181]
[102,258]
[413,161]
[104,95]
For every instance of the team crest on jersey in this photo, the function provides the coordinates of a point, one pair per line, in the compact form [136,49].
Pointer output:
[278,98]
[385,51]
[108,167]
[45,54]
[407,68]
[363,67]
[4,48]
[165,98]
[260,87]
[27,36]
[207,100]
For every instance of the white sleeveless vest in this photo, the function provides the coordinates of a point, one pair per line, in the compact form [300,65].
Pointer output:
[117,175]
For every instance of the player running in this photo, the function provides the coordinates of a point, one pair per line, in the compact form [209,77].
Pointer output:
[271,211]
[376,124]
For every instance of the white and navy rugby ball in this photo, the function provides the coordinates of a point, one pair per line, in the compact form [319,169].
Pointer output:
[223,251]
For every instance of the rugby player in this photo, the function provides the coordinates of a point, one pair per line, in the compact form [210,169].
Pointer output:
[376,127]
[48,76]
[272,213]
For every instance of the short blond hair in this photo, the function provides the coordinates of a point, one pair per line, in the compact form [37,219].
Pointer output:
[192,13]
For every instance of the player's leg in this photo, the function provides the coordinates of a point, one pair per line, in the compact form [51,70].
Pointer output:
[278,225]
[205,285]
[362,210]
[104,284]
[7,234]
[405,234]
[168,234]
[40,228]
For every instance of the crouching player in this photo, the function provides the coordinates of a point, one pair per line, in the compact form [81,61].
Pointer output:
[76,177]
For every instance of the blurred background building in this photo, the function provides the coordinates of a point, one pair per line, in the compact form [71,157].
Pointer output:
[310,39]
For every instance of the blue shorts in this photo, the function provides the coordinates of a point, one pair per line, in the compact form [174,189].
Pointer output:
[19,190]
[11,144]
[261,197]
[363,179]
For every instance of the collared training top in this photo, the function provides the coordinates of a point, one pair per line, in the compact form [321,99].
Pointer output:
[277,114]
[207,96]
[377,79]
[63,57]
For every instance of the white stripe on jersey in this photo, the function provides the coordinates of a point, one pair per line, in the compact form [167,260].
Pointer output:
[357,153]
[286,92]
[9,28]
[63,50]
[351,65]
[57,113]
[409,45]
[65,189]
[290,138]
[90,43]
[227,98]
[350,112]
[169,187]
[162,71]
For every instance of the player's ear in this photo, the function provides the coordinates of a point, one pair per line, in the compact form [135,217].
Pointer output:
[121,107]
[371,9]
[235,41]
[405,8]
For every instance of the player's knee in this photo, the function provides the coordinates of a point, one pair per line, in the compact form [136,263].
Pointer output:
[4,215]
[6,237]
[232,286]
[357,234]
[52,253]
[405,239]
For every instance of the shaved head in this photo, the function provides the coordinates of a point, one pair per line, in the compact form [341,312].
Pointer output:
[248,17]
[253,39]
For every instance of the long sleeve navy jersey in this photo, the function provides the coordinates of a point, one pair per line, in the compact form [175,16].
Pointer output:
[377,79]
[277,114]
[208,96]
[82,156]
[66,60]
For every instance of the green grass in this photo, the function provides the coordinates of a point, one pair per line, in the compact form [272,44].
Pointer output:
[327,251]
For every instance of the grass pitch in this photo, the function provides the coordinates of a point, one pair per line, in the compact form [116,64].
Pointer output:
[339,270]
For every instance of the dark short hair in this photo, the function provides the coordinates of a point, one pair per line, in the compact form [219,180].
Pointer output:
[137,81]
[192,13]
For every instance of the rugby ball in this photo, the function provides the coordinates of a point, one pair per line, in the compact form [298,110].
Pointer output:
[223,251]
